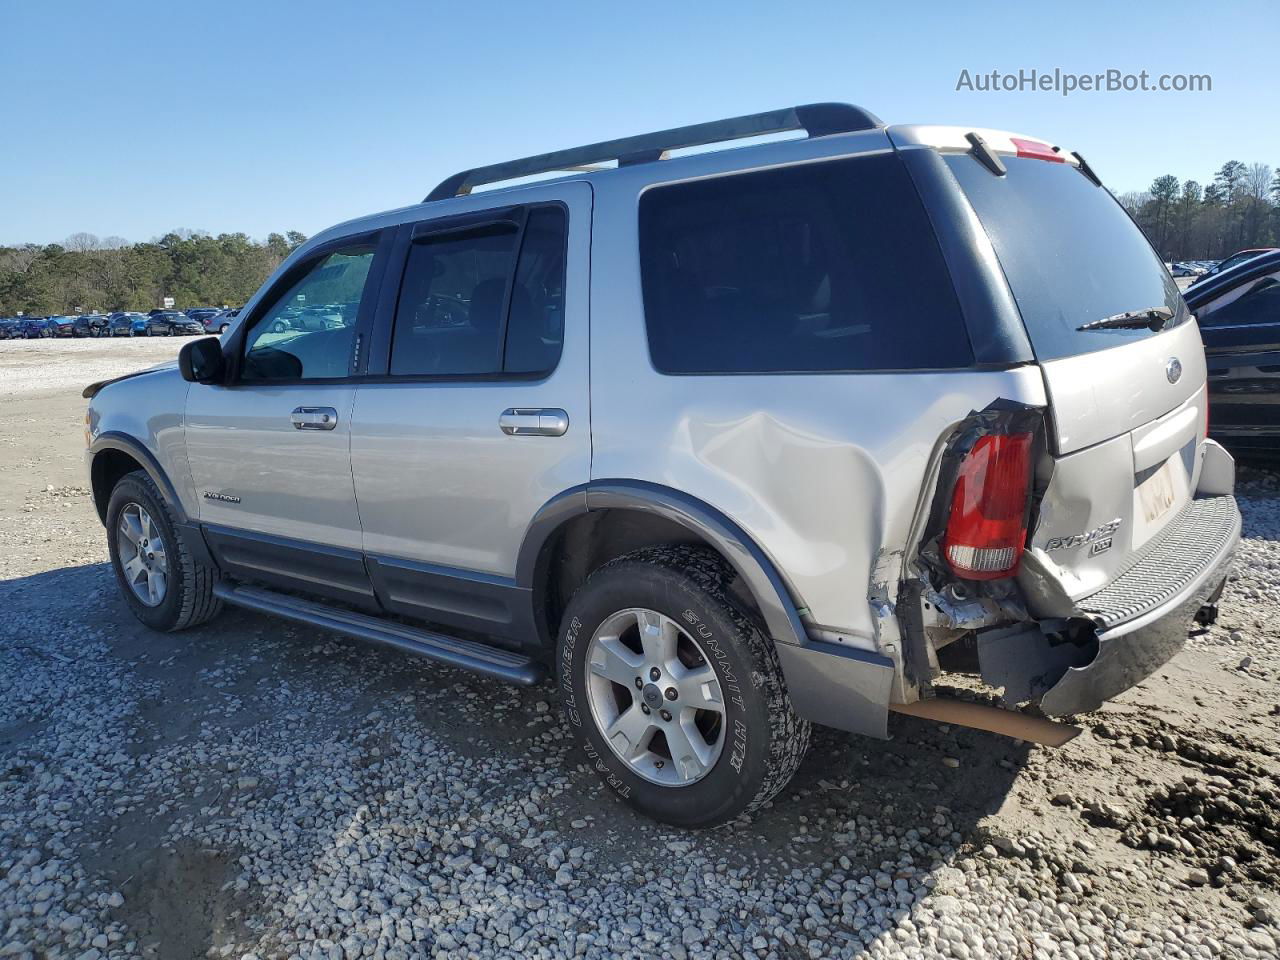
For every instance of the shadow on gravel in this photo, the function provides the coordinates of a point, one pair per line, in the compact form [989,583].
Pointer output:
[360,783]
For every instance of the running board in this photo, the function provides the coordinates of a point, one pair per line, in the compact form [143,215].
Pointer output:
[466,654]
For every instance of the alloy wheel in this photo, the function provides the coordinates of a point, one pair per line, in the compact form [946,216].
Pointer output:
[655,697]
[143,557]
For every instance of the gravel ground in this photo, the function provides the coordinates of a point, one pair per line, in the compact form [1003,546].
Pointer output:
[252,789]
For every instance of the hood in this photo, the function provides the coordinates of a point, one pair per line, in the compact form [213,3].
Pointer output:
[93,389]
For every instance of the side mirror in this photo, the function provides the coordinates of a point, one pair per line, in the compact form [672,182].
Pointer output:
[201,361]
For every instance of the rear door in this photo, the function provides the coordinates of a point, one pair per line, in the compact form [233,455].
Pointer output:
[1126,397]
[479,413]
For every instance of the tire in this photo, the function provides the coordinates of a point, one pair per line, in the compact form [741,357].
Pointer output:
[761,741]
[188,598]
[224,328]
[278,327]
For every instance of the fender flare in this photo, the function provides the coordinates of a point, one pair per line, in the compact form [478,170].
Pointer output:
[777,605]
[115,440]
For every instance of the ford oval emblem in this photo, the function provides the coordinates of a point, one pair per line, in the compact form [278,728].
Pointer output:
[1173,370]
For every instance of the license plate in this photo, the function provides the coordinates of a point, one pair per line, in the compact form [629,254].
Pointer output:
[1156,493]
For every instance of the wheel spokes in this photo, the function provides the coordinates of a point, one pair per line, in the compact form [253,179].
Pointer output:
[630,733]
[700,690]
[155,586]
[657,637]
[131,526]
[134,569]
[613,661]
[690,753]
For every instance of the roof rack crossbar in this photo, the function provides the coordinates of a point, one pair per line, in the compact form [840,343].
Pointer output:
[816,119]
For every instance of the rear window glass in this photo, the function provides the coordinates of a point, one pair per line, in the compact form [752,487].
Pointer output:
[819,267]
[1069,251]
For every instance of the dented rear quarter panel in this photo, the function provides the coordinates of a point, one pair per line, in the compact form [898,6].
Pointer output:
[824,471]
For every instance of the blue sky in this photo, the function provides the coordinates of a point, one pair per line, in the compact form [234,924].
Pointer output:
[134,118]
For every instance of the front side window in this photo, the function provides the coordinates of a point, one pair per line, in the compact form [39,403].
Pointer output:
[307,333]
[483,301]
[819,267]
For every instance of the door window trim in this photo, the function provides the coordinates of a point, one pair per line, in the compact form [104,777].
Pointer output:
[378,364]
[382,241]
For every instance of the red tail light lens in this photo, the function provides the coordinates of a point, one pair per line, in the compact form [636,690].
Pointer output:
[988,523]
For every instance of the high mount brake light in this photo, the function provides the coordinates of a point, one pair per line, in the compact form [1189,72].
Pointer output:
[987,527]
[1036,150]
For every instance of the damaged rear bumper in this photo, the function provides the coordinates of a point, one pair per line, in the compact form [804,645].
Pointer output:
[1143,618]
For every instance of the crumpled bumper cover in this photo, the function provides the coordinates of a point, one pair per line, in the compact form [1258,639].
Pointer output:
[1143,619]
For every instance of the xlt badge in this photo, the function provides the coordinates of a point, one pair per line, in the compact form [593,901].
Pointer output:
[1099,536]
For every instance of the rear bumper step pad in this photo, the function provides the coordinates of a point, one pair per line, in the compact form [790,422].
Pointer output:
[466,654]
[1144,616]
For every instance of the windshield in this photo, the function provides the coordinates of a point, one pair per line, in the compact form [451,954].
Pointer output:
[1070,253]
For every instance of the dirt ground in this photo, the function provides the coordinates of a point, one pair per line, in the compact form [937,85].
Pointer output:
[1165,806]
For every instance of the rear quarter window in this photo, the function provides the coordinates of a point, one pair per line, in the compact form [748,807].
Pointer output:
[814,268]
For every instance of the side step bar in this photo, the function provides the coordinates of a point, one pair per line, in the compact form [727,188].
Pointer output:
[467,654]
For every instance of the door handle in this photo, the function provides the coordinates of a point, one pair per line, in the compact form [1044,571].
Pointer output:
[314,418]
[534,422]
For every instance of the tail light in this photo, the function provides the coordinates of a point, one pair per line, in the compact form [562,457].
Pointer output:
[988,523]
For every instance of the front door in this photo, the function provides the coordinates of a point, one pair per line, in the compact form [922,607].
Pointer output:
[270,449]
[481,415]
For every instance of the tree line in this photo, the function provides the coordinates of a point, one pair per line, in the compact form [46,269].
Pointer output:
[89,274]
[1237,209]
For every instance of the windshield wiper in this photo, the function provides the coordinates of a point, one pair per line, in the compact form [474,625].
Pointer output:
[1152,317]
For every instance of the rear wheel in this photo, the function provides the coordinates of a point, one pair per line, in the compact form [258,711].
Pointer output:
[162,583]
[675,695]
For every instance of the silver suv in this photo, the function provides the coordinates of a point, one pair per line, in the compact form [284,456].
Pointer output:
[732,443]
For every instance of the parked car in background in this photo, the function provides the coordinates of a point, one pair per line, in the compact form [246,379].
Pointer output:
[221,321]
[39,328]
[9,327]
[1237,258]
[201,314]
[120,324]
[167,323]
[97,324]
[1181,269]
[64,325]
[1239,315]
[82,326]
[139,325]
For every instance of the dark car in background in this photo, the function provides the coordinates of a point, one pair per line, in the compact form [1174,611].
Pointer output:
[120,324]
[9,327]
[83,326]
[38,328]
[97,324]
[167,323]
[1239,315]
[63,325]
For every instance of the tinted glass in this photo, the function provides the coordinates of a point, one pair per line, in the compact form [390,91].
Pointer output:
[819,267]
[1260,305]
[280,347]
[449,317]
[1069,251]
[535,326]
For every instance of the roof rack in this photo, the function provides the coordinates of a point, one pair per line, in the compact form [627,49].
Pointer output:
[816,119]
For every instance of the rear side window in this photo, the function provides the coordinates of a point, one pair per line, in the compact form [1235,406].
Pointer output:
[821,267]
[1069,251]
[1259,305]
[485,301]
